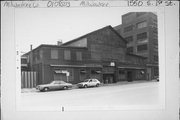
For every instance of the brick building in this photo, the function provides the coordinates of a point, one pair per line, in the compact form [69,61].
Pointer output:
[140,31]
[101,54]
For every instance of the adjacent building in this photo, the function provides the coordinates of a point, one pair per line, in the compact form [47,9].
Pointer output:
[140,29]
[102,54]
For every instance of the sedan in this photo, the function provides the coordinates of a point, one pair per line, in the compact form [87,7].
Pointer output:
[89,83]
[54,85]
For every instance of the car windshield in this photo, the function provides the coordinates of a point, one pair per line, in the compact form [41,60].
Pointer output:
[53,82]
[86,80]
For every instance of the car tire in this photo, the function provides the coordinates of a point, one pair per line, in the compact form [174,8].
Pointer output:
[65,87]
[45,89]
[97,85]
[85,86]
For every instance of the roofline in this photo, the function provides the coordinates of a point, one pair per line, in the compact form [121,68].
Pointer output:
[63,45]
[76,39]
[109,26]
[55,46]
[118,34]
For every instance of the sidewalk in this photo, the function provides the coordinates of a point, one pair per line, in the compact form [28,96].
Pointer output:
[27,90]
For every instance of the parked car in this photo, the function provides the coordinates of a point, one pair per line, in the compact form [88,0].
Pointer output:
[54,85]
[89,83]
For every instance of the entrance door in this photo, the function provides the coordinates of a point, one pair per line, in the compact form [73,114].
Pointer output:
[129,76]
[108,78]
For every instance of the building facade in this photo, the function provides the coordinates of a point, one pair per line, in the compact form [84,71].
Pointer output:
[101,54]
[141,32]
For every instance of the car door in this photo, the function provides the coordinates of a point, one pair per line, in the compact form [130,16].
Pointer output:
[90,83]
[61,85]
[93,82]
[56,85]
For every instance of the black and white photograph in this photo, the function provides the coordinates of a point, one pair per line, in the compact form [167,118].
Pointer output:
[89,58]
[96,58]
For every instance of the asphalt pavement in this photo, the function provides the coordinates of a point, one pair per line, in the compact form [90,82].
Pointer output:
[137,93]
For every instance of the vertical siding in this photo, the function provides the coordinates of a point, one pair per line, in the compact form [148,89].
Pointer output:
[28,79]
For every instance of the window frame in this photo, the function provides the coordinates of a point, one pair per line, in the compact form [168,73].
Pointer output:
[67,54]
[141,39]
[78,55]
[143,49]
[142,25]
[52,57]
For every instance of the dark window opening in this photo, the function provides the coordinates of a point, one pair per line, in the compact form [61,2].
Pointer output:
[142,47]
[130,49]
[129,28]
[141,36]
[156,58]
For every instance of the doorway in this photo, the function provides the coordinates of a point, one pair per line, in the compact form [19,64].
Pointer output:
[129,76]
[108,78]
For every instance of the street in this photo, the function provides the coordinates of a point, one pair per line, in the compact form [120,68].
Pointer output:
[145,93]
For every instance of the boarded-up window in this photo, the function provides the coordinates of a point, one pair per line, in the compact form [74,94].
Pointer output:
[54,54]
[67,55]
[79,56]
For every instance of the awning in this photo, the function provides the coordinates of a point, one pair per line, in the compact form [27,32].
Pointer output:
[61,71]
[83,71]
[98,71]
[137,68]
[78,66]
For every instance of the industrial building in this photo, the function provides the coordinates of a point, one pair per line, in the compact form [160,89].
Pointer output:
[101,54]
[140,29]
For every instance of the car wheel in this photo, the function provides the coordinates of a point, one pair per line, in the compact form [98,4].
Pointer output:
[97,85]
[46,89]
[65,87]
[85,86]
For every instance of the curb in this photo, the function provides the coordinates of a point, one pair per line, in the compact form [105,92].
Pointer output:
[29,90]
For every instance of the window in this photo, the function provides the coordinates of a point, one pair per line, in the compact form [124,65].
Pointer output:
[129,39]
[155,58]
[67,55]
[141,24]
[142,47]
[142,36]
[128,28]
[41,54]
[155,47]
[130,49]
[156,71]
[79,56]
[54,54]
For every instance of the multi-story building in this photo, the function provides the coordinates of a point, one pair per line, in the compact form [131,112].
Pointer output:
[141,32]
[101,54]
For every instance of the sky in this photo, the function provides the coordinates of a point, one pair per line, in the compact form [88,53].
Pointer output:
[47,26]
